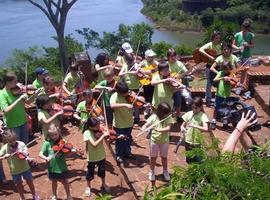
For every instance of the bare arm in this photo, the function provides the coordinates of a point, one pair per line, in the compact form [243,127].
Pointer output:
[213,67]
[12,106]
[50,119]
[96,143]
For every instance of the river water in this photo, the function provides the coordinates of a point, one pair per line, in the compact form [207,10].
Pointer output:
[23,25]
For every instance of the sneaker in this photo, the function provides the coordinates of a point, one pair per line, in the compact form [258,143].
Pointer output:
[105,189]
[119,160]
[53,198]
[247,95]
[87,192]
[152,176]
[213,125]
[36,197]
[166,176]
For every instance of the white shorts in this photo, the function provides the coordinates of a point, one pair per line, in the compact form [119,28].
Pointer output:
[162,148]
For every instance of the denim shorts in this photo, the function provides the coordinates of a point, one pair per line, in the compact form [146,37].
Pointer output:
[27,175]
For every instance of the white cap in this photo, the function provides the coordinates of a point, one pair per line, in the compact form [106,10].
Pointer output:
[150,53]
[126,46]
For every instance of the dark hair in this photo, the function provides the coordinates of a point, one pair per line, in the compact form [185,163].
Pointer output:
[91,122]
[102,59]
[74,67]
[215,34]
[8,77]
[226,45]
[171,52]
[163,110]
[129,57]
[162,65]
[47,80]
[42,100]
[121,86]
[198,102]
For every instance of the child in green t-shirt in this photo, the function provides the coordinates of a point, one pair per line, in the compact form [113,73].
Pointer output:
[18,167]
[223,90]
[161,124]
[45,117]
[57,167]
[93,135]
[195,122]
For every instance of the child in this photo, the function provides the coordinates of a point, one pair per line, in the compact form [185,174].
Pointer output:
[195,122]
[178,68]
[102,63]
[15,116]
[18,168]
[41,73]
[57,168]
[129,73]
[51,90]
[215,45]
[159,141]
[122,120]
[120,60]
[71,80]
[223,90]
[45,118]
[109,83]
[95,153]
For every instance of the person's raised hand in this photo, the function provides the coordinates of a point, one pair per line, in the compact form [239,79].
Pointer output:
[246,121]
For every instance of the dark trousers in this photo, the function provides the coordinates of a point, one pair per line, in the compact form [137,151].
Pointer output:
[194,158]
[91,169]
[148,91]
[123,147]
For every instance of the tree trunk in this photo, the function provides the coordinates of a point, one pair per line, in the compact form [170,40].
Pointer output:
[63,51]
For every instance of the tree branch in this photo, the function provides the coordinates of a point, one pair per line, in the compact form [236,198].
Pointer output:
[41,8]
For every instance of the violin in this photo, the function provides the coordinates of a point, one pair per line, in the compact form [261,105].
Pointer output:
[63,147]
[93,108]
[22,155]
[68,110]
[172,81]
[112,134]
[136,101]
[20,89]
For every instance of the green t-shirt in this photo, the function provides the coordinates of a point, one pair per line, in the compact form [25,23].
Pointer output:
[131,79]
[162,93]
[106,94]
[37,84]
[194,135]
[224,87]
[100,74]
[177,67]
[210,45]
[232,59]
[16,165]
[240,39]
[122,117]
[17,116]
[57,164]
[44,114]
[71,81]
[81,108]
[159,137]
[94,154]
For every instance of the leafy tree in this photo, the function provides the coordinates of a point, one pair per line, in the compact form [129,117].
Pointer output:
[56,11]
[161,48]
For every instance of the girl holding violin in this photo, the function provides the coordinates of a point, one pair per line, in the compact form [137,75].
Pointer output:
[88,107]
[17,156]
[122,120]
[130,72]
[93,137]
[108,85]
[52,151]
[51,90]
[46,114]
[12,105]
[102,63]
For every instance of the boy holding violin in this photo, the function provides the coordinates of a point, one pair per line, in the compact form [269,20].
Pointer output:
[122,120]
[12,104]
[18,165]
[71,80]
[41,73]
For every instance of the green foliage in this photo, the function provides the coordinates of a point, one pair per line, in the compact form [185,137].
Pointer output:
[47,57]
[241,176]
[138,35]
[104,197]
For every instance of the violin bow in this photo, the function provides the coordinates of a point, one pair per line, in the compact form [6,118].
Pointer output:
[92,110]
[26,76]
[152,126]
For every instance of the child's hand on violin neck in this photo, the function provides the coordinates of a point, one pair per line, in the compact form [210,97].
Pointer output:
[24,97]
[129,106]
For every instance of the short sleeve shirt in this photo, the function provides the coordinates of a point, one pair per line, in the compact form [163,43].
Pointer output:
[16,165]
[159,137]
[177,67]
[194,135]
[240,39]
[232,59]
[131,79]
[58,163]
[162,93]
[37,84]
[71,81]
[94,154]
[17,116]
[81,108]
[224,88]
[122,117]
